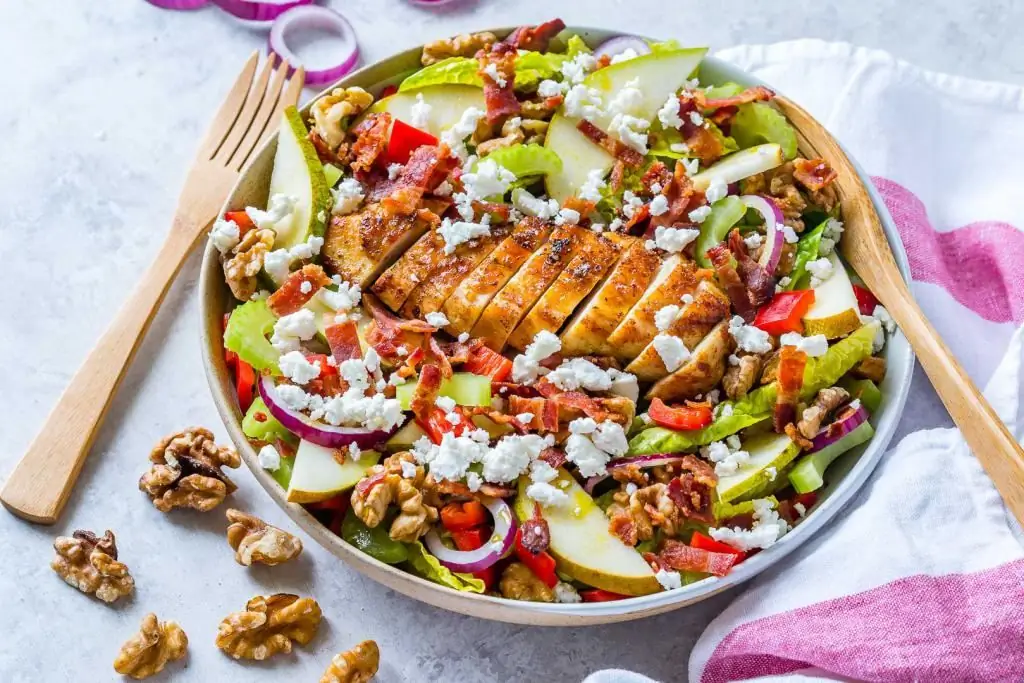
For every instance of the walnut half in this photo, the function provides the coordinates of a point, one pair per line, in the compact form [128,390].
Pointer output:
[416,515]
[187,471]
[89,563]
[256,541]
[357,665]
[268,625]
[148,651]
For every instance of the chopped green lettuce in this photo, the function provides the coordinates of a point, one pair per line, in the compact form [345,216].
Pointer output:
[375,541]
[757,123]
[451,71]
[718,92]
[527,160]
[429,567]
[729,510]
[806,251]
[724,215]
[246,335]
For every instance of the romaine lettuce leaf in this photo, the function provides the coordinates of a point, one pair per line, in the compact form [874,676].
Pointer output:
[757,123]
[451,71]
[429,567]
[527,160]
[718,92]
[806,251]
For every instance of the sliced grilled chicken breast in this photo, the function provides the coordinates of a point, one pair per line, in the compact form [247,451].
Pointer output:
[710,306]
[510,304]
[702,372]
[395,285]
[587,331]
[361,245]
[467,302]
[588,267]
[677,276]
[431,294]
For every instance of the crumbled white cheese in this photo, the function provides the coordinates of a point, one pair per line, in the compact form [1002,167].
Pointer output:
[728,457]
[280,210]
[576,69]
[445,403]
[488,179]
[716,191]
[749,338]
[624,384]
[452,457]
[224,235]
[624,56]
[455,137]
[582,102]
[628,100]
[753,240]
[591,189]
[669,114]
[691,166]
[306,287]
[296,367]
[463,338]
[658,205]
[630,130]
[610,437]
[631,488]
[566,592]
[394,170]
[669,580]
[293,397]
[590,459]
[696,119]
[771,473]
[579,373]
[347,196]
[525,418]
[408,469]
[541,471]
[671,350]
[548,88]
[725,410]
[700,214]
[277,263]
[830,236]
[537,207]
[474,481]
[419,113]
[686,298]
[444,189]
[291,329]
[567,217]
[630,203]
[491,70]
[526,366]
[672,240]
[820,270]
[547,495]
[511,457]
[269,458]
[814,346]
[666,317]
[590,445]
[768,528]
[437,319]
[346,298]
[882,315]
[789,235]
[455,233]
[800,508]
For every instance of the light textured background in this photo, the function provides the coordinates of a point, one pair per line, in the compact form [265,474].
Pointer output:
[101,108]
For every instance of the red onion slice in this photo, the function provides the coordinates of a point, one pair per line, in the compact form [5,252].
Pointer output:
[619,44]
[314,17]
[469,561]
[432,3]
[178,4]
[845,422]
[315,431]
[641,461]
[774,240]
[258,10]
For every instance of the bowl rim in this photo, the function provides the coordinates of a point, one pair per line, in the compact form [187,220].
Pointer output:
[211,291]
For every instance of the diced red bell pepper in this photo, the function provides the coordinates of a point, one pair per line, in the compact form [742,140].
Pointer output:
[436,424]
[337,503]
[388,91]
[241,219]
[702,542]
[329,381]
[866,301]
[471,539]
[245,384]
[681,417]
[488,362]
[542,564]
[599,595]
[787,508]
[404,141]
[785,312]
[460,516]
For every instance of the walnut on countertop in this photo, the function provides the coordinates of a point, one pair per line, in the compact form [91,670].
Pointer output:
[357,665]
[268,625]
[256,541]
[243,266]
[462,45]
[332,113]
[519,583]
[89,563]
[187,471]
[416,511]
[148,651]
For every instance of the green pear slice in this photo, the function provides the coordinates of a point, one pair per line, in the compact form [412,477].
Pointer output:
[835,312]
[659,75]
[404,438]
[766,451]
[583,546]
[447,103]
[299,173]
[317,476]
[740,165]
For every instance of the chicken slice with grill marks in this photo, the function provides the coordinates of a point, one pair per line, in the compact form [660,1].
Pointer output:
[361,245]
[395,285]
[696,319]
[467,302]
[596,318]
[597,254]
[701,373]
[521,292]
[677,276]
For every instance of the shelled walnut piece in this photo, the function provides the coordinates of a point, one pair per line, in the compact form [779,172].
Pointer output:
[519,583]
[148,651]
[187,471]
[268,625]
[89,563]
[385,484]
[463,45]
[332,113]
[256,541]
[245,261]
[357,665]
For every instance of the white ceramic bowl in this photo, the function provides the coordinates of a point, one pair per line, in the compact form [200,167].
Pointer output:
[846,475]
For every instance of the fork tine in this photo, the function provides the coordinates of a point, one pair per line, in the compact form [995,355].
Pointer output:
[260,121]
[289,98]
[245,117]
[228,112]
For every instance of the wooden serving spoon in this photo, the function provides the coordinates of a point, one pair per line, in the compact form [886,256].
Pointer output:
[865,247]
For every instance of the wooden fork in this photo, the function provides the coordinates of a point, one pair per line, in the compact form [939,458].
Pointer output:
[865,247]
[40,485]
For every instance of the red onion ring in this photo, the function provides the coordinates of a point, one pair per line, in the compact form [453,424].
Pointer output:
[619,44]
[432,3]
[642,461]
[316,17]
[469,561]
[773,238]
[846,421]
[258,10]
[178,4]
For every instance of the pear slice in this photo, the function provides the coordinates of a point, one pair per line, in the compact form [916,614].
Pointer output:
[766,451]
[404,438]
[659,75]
[740,165]
[447,103]
[583,546]
[299,173]
[835,312]
[317,476]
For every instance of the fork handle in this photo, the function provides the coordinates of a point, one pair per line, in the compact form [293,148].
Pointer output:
[41,483]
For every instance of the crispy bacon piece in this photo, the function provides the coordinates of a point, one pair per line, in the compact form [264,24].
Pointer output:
[627,155]
[682,198]
[498,418]
[535,535]
[760,285]
[324,151]
[582,403]
[814,174]
[790,380]
[657,173]
[428,388]
[618,172]
[758,93]
[457,488]
[437,356]
[729,278]
[297,290]
[545,412]
[621,524]
[704,145]
[553,456]
[343,338]
[499,94]
[507,389]
[681,557]
[582,206]
[366,484]
[640,215]
[371,138]
[387,332]
[692,490]
[427,167]
[499,213]
[536,38]
[459,352]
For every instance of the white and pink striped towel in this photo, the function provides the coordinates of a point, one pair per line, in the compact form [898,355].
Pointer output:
[921,577]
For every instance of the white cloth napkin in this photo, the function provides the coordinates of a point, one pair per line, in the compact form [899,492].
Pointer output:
[921,577]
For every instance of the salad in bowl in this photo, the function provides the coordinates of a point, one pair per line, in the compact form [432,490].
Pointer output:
[549,322]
